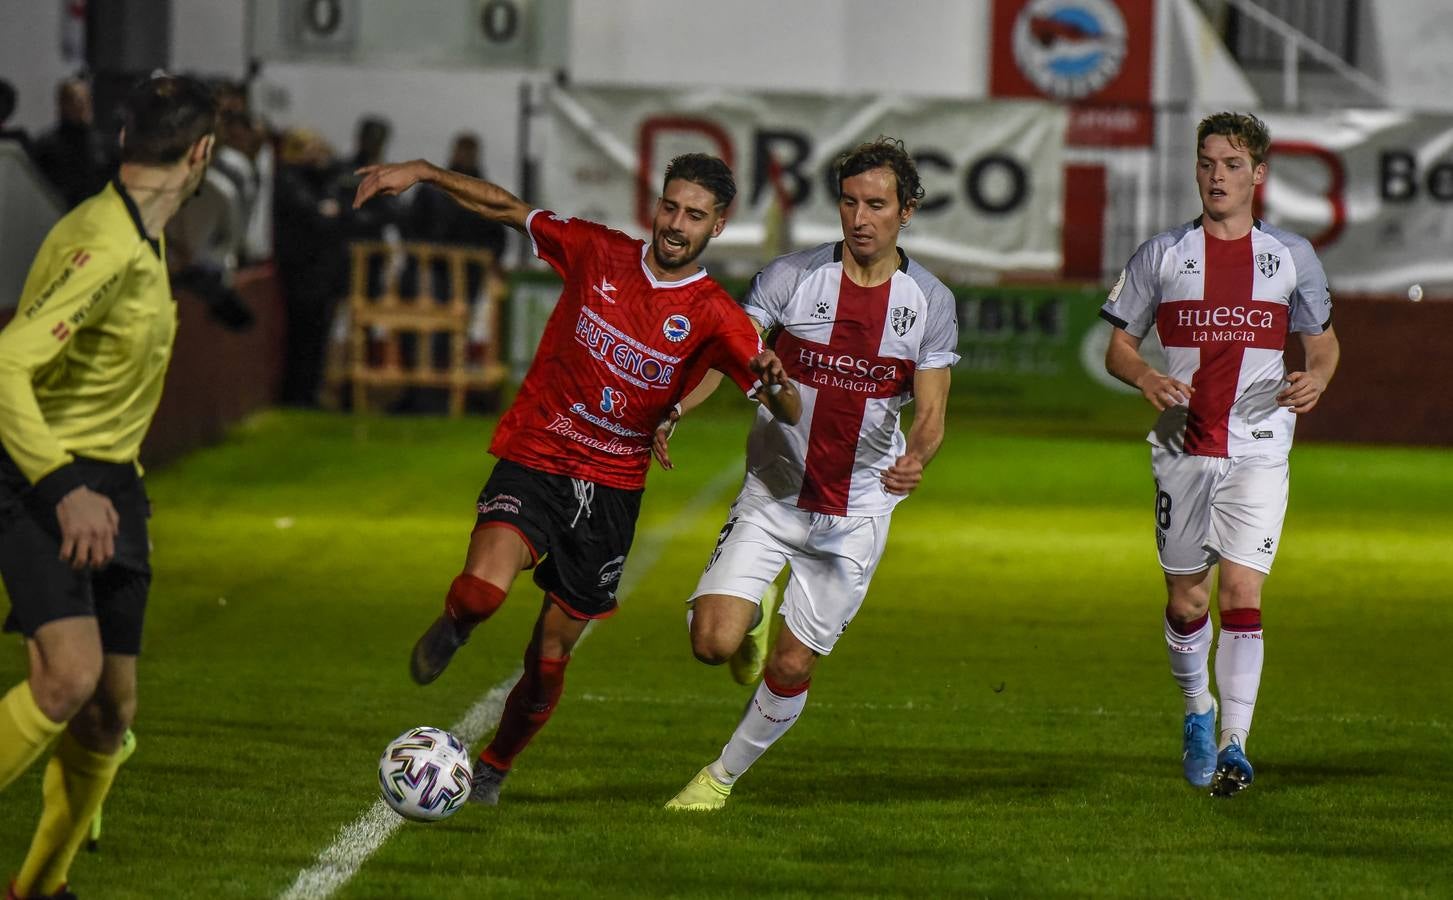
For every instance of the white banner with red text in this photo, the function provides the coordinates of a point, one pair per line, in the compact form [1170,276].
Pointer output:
[992,170]
[1372,190]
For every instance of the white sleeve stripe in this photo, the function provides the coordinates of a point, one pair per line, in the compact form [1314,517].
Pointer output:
[940,360]
[534,247]
[758,313]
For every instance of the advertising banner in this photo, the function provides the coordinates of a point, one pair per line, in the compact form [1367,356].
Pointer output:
[992,171]
[1372,190]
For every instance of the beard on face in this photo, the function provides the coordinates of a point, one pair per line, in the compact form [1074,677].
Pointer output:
[675,259]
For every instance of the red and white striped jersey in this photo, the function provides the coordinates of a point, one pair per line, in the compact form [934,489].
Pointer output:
[1223,310]
[852,352]
[619,350]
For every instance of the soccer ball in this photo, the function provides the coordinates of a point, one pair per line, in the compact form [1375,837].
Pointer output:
[424,774]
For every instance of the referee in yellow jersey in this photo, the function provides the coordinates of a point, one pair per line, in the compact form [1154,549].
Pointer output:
[81,371]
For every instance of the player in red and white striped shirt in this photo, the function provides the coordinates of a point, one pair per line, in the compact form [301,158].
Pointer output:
[636,327]
[862,330]
[1223,293]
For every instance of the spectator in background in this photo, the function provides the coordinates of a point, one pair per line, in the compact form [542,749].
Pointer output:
[73,156]
[7,109]
[233,101]
[381,218]
[311,257]
[436,219]
[208,235]
[371,140]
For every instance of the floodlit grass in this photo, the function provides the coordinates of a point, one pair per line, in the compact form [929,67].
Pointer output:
[998,721]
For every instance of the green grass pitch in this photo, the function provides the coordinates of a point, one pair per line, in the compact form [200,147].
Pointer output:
[998,721]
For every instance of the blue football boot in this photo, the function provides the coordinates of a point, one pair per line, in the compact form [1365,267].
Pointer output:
[1198,747]
[1233,771]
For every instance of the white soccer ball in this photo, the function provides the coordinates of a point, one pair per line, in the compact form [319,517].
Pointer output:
[424,774]
[1415,293]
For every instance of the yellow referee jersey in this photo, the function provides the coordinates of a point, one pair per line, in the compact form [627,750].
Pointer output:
[82,362]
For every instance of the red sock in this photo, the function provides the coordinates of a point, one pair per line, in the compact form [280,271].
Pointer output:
[472,599]
[1245,619]
[785,690]
[528,708]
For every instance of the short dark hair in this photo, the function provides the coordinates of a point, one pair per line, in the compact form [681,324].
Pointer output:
[165,115]
[707,171]
[884,153]
[1244,130]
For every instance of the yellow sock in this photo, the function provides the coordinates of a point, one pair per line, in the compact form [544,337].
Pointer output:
[76,781]
[25,732]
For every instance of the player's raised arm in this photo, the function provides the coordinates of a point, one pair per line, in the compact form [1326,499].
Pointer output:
[484,198]
[930,397]
[1123,360]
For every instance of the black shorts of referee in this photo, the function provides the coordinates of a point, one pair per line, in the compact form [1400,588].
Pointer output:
[43,588]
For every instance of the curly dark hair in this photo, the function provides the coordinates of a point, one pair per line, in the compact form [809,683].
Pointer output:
[707,171]
[1244,130]
[884,153]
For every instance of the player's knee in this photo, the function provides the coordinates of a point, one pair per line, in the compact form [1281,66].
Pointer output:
[1186,601]
[1183,615]
[62,687]
[788,670]
[711,647]
[1239,596]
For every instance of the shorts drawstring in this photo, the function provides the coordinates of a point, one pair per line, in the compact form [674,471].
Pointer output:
[584,494]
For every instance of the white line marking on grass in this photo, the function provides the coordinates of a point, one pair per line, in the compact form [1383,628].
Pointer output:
[357,841]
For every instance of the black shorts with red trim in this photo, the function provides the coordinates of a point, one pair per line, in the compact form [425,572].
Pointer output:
[579,532]
[43,589]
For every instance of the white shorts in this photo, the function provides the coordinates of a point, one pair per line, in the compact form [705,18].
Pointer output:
[1208,508]
[832,560]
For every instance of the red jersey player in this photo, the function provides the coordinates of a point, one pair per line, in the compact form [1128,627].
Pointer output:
[637,325]
[1223,293]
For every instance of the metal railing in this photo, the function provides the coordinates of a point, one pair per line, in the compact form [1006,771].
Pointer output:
[1335,22]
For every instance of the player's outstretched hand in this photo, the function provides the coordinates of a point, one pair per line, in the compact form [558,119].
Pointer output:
[768,367]
[904,475]
[89,524]
[387,179]
[779,395]
[1163,391]
[1302,392]
[661,440]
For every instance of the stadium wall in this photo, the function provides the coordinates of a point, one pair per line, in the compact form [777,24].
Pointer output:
[1392,384]
[218,376]
[1037,354]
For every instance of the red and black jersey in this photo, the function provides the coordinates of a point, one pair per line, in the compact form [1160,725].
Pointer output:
[620,349]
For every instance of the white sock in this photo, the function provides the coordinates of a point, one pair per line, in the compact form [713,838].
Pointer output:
[1239,655]
[768,717]
[1190,656]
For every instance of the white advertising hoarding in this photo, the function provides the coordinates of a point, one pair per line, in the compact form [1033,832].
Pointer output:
[992,171]
[1372,190]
